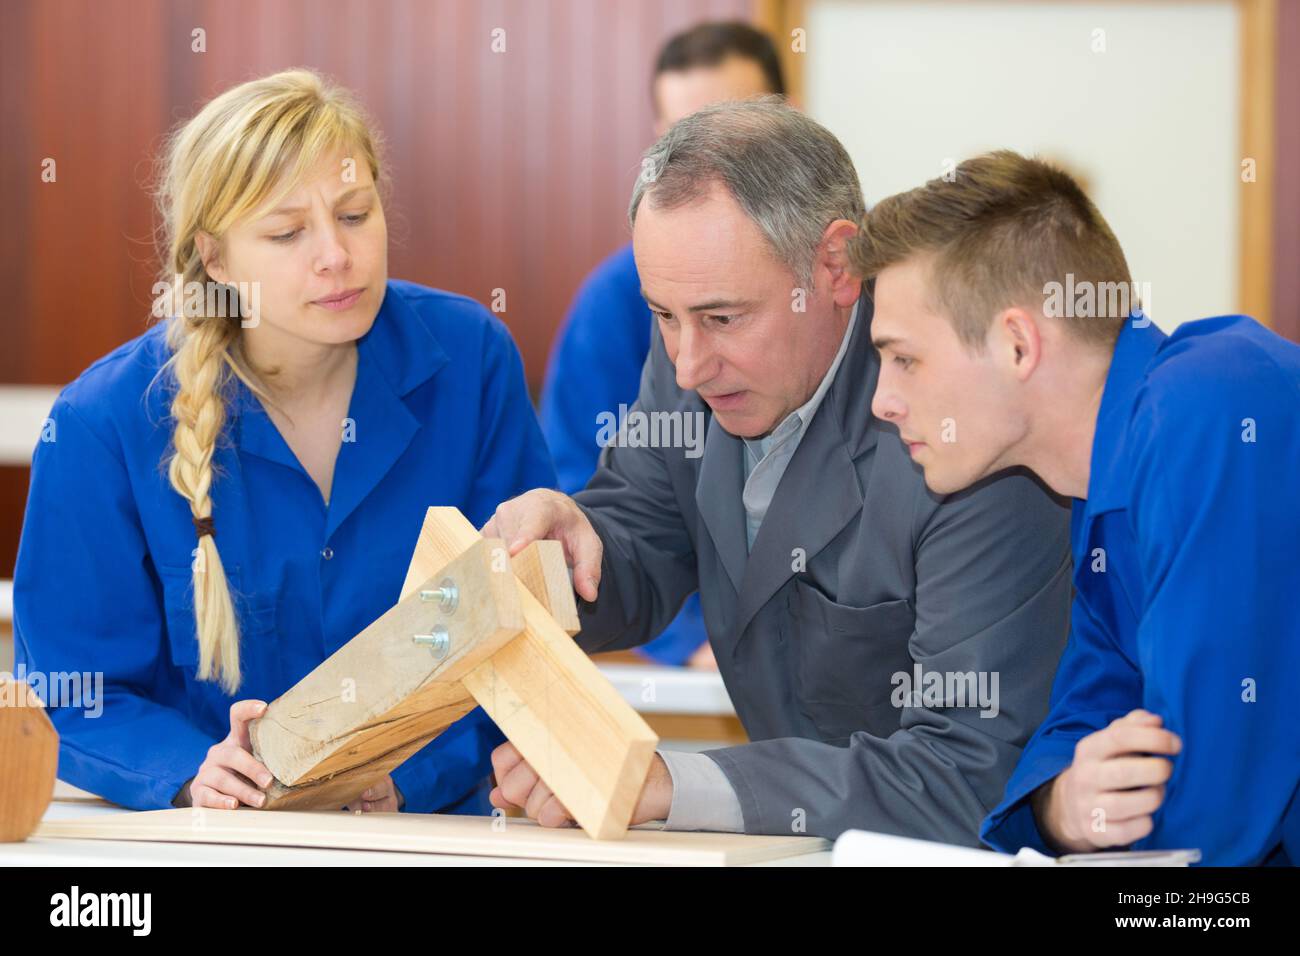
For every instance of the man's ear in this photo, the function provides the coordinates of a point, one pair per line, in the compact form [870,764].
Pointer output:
[833,256]
[210,253]
[1018,340]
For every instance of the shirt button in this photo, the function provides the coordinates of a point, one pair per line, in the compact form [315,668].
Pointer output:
[327,553]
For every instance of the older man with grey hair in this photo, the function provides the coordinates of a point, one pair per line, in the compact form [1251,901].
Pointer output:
[888,651]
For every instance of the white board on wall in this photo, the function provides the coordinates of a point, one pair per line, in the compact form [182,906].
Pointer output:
[1150,121]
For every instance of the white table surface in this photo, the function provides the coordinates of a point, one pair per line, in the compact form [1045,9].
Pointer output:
[656,689]
[23,411]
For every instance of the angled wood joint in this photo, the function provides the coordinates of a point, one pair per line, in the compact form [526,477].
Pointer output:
[472,626]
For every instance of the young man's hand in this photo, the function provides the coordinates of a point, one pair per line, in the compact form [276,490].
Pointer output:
[1106,797]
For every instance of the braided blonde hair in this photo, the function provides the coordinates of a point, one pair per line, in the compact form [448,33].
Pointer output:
[243,151]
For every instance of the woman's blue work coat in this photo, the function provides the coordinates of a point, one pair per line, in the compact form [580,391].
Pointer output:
[439,416]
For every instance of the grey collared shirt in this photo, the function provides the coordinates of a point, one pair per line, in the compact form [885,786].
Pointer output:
[703,798]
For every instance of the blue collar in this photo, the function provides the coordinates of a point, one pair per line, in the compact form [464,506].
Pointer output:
[395,357]
[1110,465]
[401,345]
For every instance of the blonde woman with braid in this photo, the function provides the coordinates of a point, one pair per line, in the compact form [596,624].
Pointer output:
[231,496]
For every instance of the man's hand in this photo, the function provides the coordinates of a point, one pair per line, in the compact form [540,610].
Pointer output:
[1107,795]
[542,514]
[519,786]
[231,775]
[382,797]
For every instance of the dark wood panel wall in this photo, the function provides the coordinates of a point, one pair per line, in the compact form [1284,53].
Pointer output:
[511,169]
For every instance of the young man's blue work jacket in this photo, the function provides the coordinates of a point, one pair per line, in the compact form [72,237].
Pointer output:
[1186,569]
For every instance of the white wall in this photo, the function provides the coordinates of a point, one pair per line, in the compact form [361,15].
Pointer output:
[1151,122]
[24,410]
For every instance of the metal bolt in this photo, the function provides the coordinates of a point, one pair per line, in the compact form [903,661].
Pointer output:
[447,595]
[439,641]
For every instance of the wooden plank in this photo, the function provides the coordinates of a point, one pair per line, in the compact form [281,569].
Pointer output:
[431,833]
[542,569]
[780,18]
[588,744]
[65,792]
[340,789]
[1257,99]
[359,714]
[716,728]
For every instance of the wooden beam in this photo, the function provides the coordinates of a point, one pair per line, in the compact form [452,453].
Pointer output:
[780,18]
[725,729]
[587,743]
[383,696]
[540,567]
[1257,96]
[430,833]
[365,706]
[341,789]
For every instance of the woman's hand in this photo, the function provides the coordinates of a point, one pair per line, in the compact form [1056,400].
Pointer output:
[382,797]
[231,775]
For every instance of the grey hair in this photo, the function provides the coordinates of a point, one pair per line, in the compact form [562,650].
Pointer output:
[789,174]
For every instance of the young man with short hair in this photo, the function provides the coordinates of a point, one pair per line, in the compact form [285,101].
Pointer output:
[1172,720]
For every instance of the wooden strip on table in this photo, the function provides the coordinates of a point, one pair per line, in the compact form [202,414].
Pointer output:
[431,833]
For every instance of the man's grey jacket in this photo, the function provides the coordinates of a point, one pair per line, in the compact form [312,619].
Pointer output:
[858,576]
